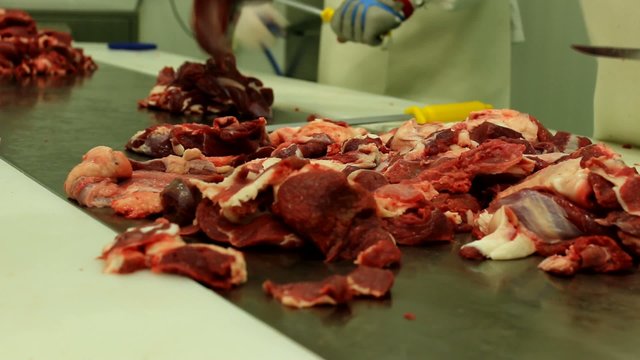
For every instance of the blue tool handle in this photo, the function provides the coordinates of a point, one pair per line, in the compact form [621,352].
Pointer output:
[136,46]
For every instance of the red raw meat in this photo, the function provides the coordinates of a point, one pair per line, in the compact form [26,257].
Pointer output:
[227,136]
[263,229]
[105,178]
[216,87]
[314,146]
[159,246]
[368,281]
[368,179]
[370,244]
[331,291]
[409,316]
[25,52]
[213,266]
[128,253]
[337,132]
[599,254]
[334,290]
[321,205]
[420,226]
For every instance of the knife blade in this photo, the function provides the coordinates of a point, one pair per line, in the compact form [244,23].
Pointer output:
[609,51]
[351,121]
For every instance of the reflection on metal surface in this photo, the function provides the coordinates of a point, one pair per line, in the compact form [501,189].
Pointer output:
[463,309]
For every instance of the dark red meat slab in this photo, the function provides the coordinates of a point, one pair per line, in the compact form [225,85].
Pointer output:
[227,136]
[211,265]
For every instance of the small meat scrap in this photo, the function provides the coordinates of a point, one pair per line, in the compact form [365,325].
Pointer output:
[128,253]
[369,281]
[227,136]
[409,316]
[599,254]
[215,87]
[158,246]
[26,52]
[211,265]
[334,290]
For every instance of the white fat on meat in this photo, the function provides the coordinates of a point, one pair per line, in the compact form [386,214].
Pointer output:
[211,190]
[182,164]
[99,162]
[524,167]
[617,180]
[454,217]
[548,157]
[393,200]
[337,133]
[505,241]
[160,132]
[410,134]
[295,302]
[508,118]
[238,266]
[566,178]
[369,156]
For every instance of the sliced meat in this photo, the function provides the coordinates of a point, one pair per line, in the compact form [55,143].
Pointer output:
[599,254]
[210,265]
[333,290]
[368,281]
[128,252]
[262,229]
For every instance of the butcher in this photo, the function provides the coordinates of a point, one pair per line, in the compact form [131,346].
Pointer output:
[412,49]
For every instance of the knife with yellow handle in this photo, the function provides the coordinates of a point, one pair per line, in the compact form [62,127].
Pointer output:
[427,114]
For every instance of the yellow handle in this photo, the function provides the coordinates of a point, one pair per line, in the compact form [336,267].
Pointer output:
[445,112]
[327,14]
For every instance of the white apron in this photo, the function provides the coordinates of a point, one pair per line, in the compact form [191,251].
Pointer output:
[616,103]
[437,55]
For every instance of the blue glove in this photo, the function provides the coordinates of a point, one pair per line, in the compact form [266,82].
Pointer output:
[367,21]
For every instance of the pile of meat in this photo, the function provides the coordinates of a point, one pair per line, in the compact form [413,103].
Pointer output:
[215,87]
[26,52]
[359,197]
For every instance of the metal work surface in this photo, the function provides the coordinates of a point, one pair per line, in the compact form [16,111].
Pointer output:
[463,309]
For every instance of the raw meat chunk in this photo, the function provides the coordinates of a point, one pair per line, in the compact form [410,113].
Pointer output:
[227,136]
[331,291]
[334,290]
[368,281]
[158,246]
[128,253]
[598,254]
[26,52]
[213,266]
[216,87]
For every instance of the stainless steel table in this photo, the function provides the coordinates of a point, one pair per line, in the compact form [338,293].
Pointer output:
[463,309]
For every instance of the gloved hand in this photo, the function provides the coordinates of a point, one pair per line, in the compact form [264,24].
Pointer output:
[259,25]
[367,21]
